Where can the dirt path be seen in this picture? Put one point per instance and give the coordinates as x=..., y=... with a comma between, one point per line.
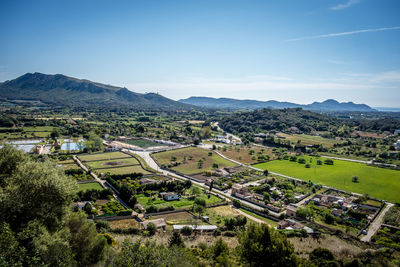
x=103, y=183
x=251, y=217
x=376, y=224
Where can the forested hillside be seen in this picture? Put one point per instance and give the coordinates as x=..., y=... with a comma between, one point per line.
x=277, y=119
x=305, y=121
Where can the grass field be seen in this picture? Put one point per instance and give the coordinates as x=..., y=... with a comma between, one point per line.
x=268, y=221
x=112, y=163
x=89, y=186
x=103, y=156
x=143, y=143
x=177, y=204
x=309, y=139
x=241, y=153
x=377, y=182
x=29, y=132
x=191, y=166
x=124, y=170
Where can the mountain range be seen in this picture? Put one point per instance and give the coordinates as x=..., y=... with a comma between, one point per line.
x=229, y=103
x=61, y=90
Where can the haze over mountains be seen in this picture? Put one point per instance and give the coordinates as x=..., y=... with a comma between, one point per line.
x=229, y=103
x=62, y=90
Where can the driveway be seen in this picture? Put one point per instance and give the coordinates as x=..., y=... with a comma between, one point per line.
x=376, y=224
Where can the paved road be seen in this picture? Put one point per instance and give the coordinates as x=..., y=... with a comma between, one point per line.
x=376, y=224
x=352, y=160
x=149, y=160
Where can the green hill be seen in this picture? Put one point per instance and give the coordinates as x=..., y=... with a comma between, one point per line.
x=61, y=90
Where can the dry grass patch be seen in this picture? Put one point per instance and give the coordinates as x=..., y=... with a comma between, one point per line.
x=123, y=224
x=339, y=247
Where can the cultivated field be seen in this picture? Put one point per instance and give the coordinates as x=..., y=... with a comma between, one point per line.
x=309, y=139
x=112, y=163
x=189, y=158
x=89, y=186
x=103, y=156
x=246, y=154
x=124, y=170
x=143, y=143
x=377, y=182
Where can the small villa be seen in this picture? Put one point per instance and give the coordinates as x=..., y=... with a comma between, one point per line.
x=169, y=196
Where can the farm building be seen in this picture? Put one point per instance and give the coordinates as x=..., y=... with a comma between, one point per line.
x=169, y=196
x=291, y=210
x=159, y=223
x=202, y=228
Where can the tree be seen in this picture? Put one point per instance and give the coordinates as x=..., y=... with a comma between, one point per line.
x=198, y=209
x=36, y=191
x=151, y=227
x=236, y=203
x=305, y=212
x=322, y=257
x=266, y=172
x=267, y=197
x=153, y=255
x=194, y=190
x=176, y=240
x=220, y=253
x=355, y=179
x=260, y=245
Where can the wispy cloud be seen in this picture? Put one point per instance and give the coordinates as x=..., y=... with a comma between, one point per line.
x=349, y=3
x=338, y=34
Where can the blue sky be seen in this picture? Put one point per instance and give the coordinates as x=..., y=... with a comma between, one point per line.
x=299, y=50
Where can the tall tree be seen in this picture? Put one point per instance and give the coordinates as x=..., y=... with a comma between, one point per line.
x=261, y=245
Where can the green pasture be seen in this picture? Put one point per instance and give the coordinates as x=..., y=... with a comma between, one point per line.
x=89, y=186
x=143, y=143
x=109, y=163
x=377, y=182
x=177, y=204
x=103, y=156
x=124, y=170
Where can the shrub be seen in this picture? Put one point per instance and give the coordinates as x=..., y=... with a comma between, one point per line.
x=200, y=201
x=307, y=165
x=229, y=233
x=186, y=230
x=236, y=203
x=301, y=161
x=151, y=228
x=328, y=162
x=125, y=212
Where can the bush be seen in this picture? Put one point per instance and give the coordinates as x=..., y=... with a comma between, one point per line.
x=125, y=212
x=186, y=230
x=328, y=162
x=102, y=226
x=151, y=228
x=307, y=165
x=229, y=233
x=301, y=161
x=236, y=203
x=200, y=201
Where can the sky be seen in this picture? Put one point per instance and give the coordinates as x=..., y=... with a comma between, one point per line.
x=288, y=50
